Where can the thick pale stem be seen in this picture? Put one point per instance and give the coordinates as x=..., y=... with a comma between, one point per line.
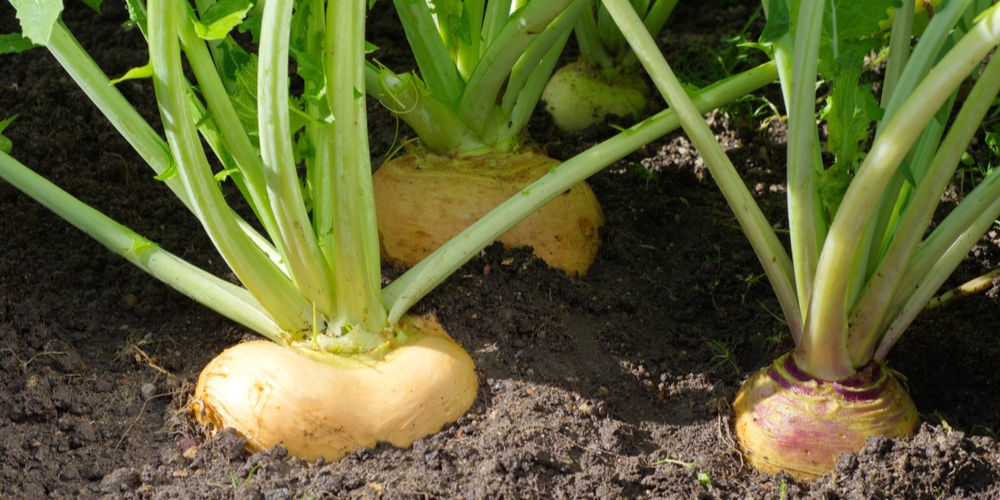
x=870, y=313
x=230, y=129
x=230, y=300
x=304, y=259
x=803, y=218
x=828, y=306
x=592, y=49
x=530, y=74
x=941, y=253
x=355, y=238
x=82, y=69
x=264, y=280
x=437, y=68
x=439, y=128
x=941, y=29
x=484, y=86
x=899, y=50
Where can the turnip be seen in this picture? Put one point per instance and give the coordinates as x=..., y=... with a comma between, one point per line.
x=310, y=282
x=419, y=191
x=483, y=66
x=579, y=95
x=605, y=80
x=272, y=395
x=863, y=261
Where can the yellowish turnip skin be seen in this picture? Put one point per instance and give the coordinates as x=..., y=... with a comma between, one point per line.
x=803, y=430
x=423, y=200
x=272, y=395
x=577, y=97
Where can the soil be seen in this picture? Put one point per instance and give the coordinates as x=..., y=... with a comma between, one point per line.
x=613, y=385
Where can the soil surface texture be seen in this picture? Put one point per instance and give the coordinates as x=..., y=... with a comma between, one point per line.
x=613, y=385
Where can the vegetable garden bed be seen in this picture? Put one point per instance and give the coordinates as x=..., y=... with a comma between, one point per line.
x=617, y=384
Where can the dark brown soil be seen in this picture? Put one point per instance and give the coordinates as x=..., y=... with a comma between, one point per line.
x=615, y=385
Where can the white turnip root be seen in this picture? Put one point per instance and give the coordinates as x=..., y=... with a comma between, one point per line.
x=578, y=96
x=788, y=420
x=273, y=395
x=423, y=200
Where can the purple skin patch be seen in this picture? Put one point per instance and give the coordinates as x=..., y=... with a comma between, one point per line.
x=864, y=385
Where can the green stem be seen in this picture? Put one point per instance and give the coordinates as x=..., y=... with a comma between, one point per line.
x=318, y=165
x=497, y=13
x=588, y=39
x=85, y=72
x=768, y=248
x=924, y=55
x=869, y=316
x=806, y=224
x=900, y=39
x=439, y=128
x=150, y=146
x=437, y=68
x=939, y=33
x=654, y=20
x=228, y=125
x=304, y=259
x=529, y=76
x=783, y=59
x=827, y=318
x=941, y=253
x=401, y=294
x=231, y=301
x=478, y=103
x=265, y=281
x=657, y=16
x=355, y=238
x=466, y=55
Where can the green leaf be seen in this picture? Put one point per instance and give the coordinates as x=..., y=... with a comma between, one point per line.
x=12, y=43
x=5, y=144
x=224, y=174
x=220, y=18
x=169, y=173
x=850, y=111
x=453, y=19
x=137, y=73
x=94, y=4
x=310, y=67
x=850, y=30
x=252, y=25
x=778, y=22
x=244, y=95
x=37, y=18
x=137, y=13
x=992, y=139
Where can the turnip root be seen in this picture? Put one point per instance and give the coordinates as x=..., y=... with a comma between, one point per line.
x=423, y=200
x=272, y=395
x=788, y=420
x=578, y=96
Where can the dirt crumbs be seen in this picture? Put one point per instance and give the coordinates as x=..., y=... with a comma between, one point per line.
x=614, y=385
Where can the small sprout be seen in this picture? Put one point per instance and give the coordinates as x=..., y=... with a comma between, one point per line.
x=235, y=481
x=702, y=476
